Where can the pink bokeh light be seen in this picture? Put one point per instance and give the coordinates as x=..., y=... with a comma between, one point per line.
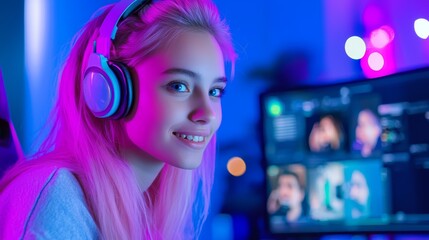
x=378, y=62
x=375, y=61
x=382, y=36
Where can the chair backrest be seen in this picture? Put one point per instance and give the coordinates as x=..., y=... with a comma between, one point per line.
x=9, y=145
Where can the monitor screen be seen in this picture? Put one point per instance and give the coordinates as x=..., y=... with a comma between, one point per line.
x=349, y=157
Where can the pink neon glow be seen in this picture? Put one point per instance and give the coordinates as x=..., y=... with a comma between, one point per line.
x=379, y=59
x=372, y=17
x=382, y=36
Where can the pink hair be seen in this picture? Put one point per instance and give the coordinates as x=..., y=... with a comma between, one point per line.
x=176, y=204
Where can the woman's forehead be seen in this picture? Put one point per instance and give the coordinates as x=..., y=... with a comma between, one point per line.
x=198, y=52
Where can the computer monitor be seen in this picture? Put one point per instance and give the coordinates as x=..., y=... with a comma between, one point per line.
x=348, y=157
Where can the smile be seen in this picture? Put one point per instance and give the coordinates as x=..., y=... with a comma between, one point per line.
x=192, y=138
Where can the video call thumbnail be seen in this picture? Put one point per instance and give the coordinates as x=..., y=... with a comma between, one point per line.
x=327, y=133
x=286, y=201
x=347, y=191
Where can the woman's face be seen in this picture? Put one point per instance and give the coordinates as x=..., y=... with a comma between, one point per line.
x=367, y=130
x=177, y=107
x=290, y=192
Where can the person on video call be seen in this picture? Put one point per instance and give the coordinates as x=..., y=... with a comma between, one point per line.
x=286, y=199
x=368, y=131
x=358, y=195
x=325, y=135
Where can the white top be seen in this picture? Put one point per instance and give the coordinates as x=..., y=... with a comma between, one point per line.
x=45, y=203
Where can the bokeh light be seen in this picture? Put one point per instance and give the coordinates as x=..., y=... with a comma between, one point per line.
x=355, y=47
x=421, y=26
x=376, y=61
x=275, y=107
x=236, y=166
x=382, y=36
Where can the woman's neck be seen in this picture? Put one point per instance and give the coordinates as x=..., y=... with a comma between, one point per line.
x=145, y=167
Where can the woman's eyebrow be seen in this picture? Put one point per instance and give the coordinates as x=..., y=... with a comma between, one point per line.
x=181, y=71
x=190, y=74
x=221, y=79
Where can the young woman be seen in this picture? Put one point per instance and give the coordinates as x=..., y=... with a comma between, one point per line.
x=130, y=153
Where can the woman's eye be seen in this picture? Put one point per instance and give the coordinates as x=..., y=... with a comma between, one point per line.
x=217, y=92
x=178, y=87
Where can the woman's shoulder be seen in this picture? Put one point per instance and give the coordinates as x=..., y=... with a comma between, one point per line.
x=45, y=201
x=29, y=182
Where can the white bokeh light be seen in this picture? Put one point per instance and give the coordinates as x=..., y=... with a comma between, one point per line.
x=355, y=47
x=421, y=26
x=376, y=61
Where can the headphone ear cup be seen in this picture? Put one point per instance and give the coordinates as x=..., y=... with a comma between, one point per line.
x=107, y=88
x=100, y=87
x=123, y=77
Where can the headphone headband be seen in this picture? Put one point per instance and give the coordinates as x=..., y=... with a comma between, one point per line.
x=110, y=25
x=107, y=85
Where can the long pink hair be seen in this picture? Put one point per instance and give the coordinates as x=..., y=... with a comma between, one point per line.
x=176, y=204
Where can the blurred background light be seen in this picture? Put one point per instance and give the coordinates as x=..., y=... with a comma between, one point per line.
x=372, y=15
x=35, y=32
x=421, y=26
x=376, y=61
x=37, y=48
x=382, y=36
x=236, y=166
x=355, y=47
x=275, y=107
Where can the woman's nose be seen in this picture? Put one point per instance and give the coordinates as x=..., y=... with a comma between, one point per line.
x=204, y=112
